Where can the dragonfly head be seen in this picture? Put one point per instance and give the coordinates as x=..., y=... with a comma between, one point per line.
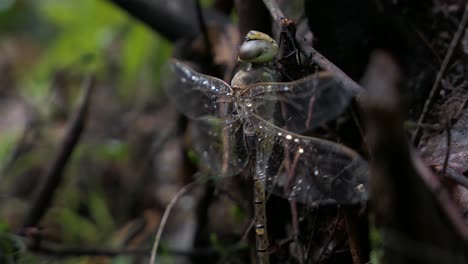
x=257, y=47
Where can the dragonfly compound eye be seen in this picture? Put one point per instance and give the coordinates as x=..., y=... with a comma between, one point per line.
x=258, y=47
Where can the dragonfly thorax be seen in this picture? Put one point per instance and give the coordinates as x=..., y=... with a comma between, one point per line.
x=255, y=74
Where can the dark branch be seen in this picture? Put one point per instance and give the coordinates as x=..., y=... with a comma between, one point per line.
x=171, y=23
x=53, y=177
x=411, y=205
x=204, y=30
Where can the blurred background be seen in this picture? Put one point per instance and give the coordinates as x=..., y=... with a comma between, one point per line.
x=47, y=51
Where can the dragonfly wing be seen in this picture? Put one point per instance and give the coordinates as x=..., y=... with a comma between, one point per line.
x=197, y=95
x=301, y=105
x=220, y=145
x=311, y=170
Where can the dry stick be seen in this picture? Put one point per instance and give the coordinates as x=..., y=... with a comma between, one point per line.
x=165, y=217
x=54, y=175
x=443, y=67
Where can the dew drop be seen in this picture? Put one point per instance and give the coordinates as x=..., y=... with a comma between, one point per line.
x=360, y=188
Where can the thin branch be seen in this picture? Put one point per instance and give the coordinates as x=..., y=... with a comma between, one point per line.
x=443, y=67
x=162, y=224
x=314, y=55
x=53, y=177
x=325, y=64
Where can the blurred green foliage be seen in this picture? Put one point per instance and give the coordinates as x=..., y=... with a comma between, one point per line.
x=51, y=36
x=65, y=32
x=6, y=246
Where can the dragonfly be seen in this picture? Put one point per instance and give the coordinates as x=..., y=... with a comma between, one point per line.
x=257, y=121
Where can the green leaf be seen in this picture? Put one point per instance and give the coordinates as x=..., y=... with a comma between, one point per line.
x=101, y=215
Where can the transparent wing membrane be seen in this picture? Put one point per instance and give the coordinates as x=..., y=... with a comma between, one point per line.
x=221, y=146
x=301, y=105
x=310, y=170
x=197, y=95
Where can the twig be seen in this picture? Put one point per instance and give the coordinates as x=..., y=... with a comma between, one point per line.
x=443, y=67
x=325, y=64
x=54, y=175
x=165, y=217
x=314, y=55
